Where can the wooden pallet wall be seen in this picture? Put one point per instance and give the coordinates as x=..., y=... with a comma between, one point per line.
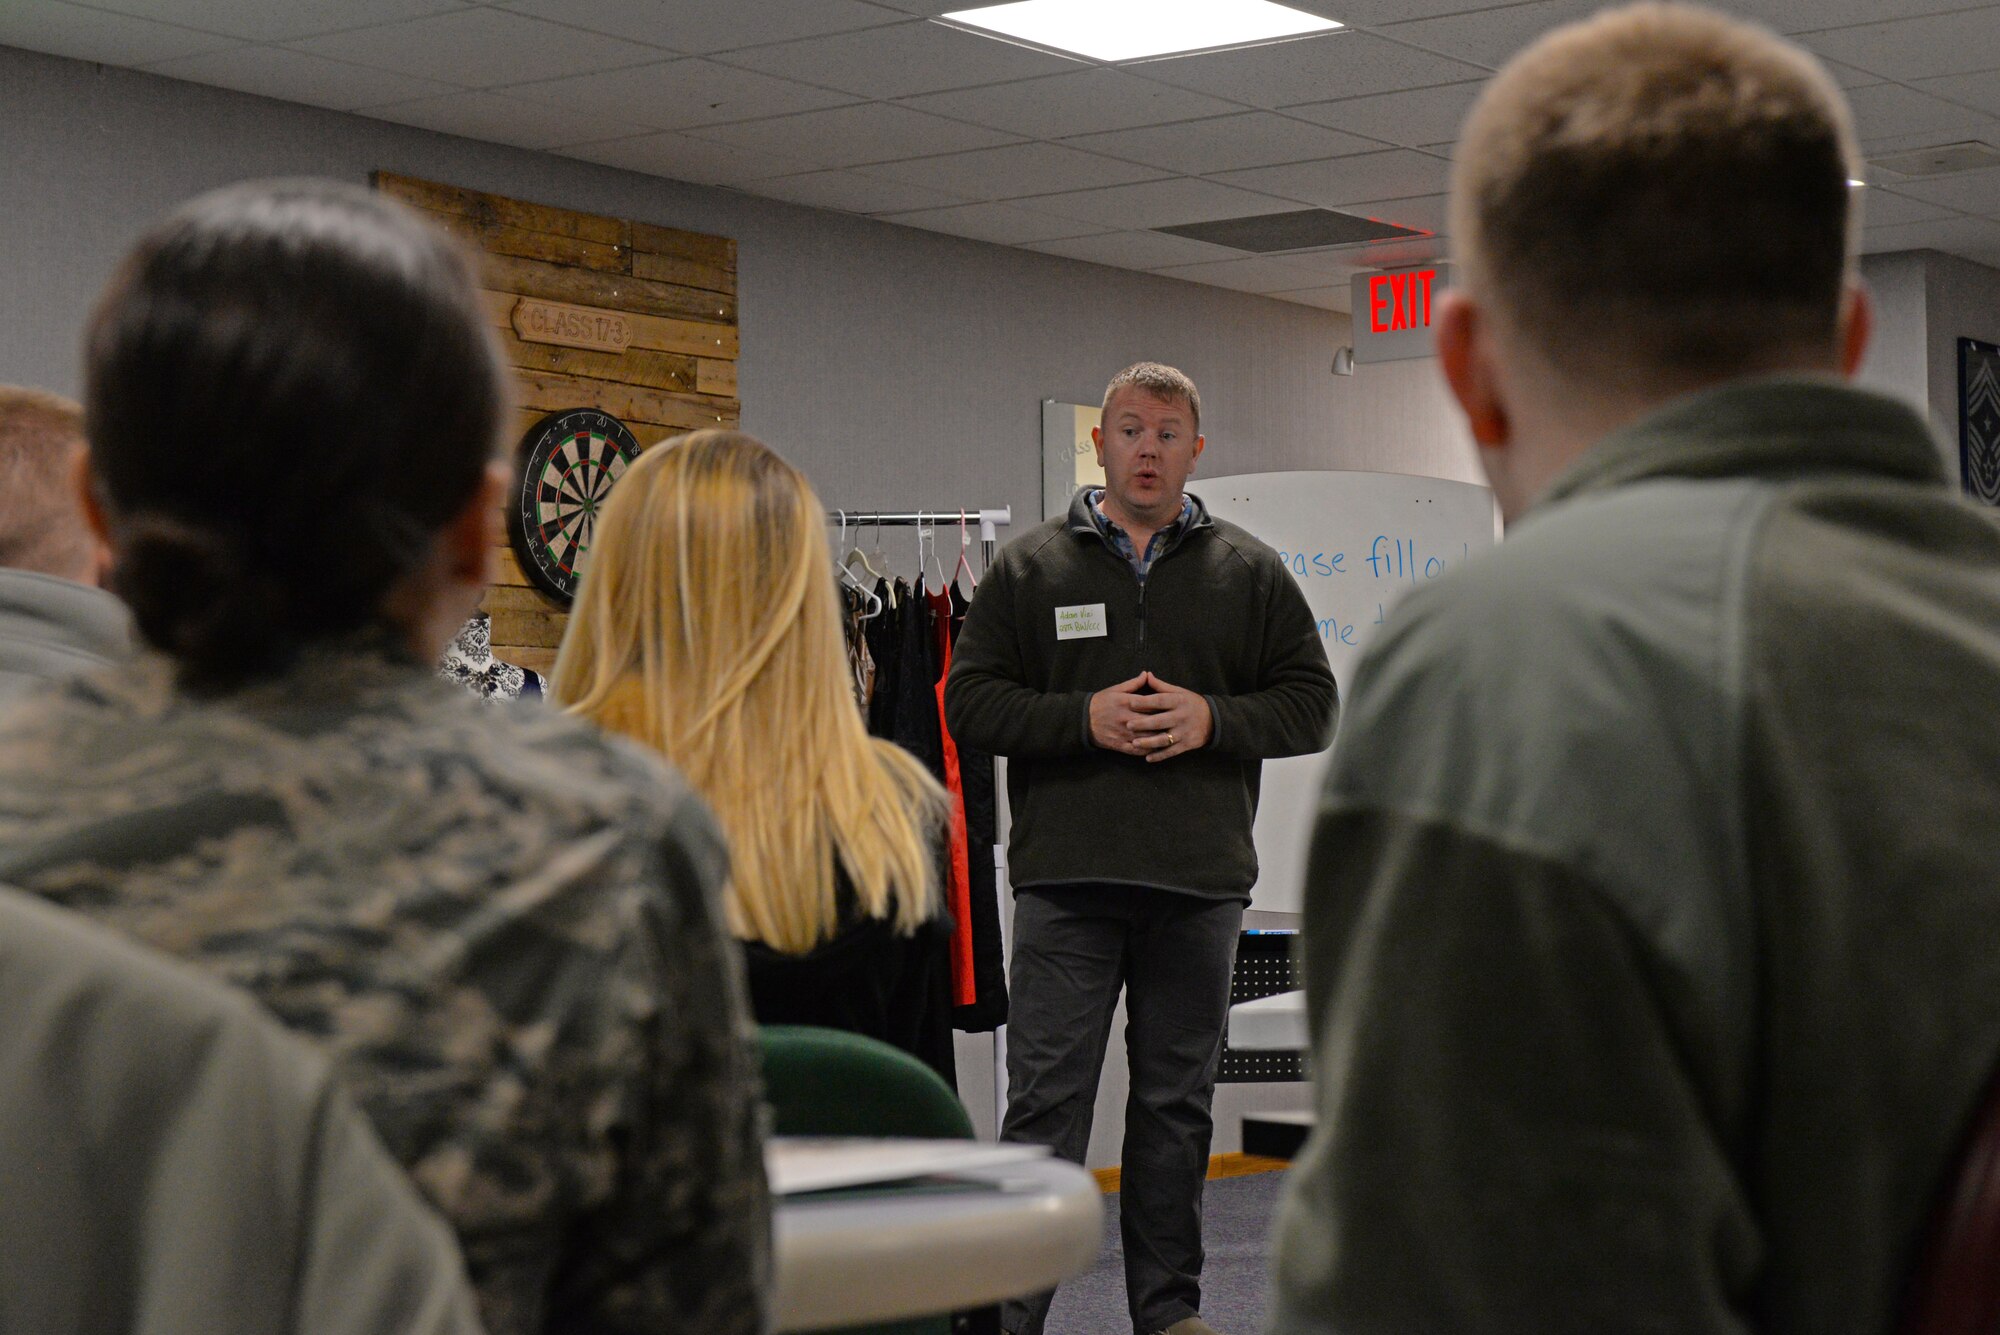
x=675, y=295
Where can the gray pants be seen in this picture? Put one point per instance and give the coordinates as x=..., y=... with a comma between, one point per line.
x=1075, y=946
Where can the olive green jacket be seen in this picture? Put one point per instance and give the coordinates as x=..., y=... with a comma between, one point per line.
x=172, y=1162
x=1653, y=914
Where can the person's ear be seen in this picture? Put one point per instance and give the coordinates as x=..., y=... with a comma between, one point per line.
x=1200, y=443
x=467, y=542
x=1097, y=440
x=1856, y=327
x=83, y=485
x=1465, y=354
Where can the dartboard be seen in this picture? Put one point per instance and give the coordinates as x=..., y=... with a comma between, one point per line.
x=568, y=463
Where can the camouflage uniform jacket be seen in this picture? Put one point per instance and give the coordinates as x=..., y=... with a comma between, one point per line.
x=504, y=926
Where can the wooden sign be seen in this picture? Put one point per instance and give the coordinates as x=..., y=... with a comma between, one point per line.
x=571, y=326
x=625, y=317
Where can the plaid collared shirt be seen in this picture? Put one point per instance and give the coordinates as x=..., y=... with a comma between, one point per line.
x=1121, y=542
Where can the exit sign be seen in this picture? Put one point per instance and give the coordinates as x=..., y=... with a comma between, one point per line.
x=1393, y=309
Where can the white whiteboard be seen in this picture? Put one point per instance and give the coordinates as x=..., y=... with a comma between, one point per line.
x=1355, y=542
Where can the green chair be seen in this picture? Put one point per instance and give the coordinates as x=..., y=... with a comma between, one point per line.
x=828, y=1082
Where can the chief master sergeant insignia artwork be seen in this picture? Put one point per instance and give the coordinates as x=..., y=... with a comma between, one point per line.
x=1135, y=661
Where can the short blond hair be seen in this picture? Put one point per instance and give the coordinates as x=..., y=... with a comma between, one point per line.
x=1162, y=382
x=42, y=527
x=1660, y=188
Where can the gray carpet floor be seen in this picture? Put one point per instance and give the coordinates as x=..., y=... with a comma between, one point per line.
x=1236, y=1226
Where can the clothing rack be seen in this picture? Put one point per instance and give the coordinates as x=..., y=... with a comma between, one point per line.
x=988, y=518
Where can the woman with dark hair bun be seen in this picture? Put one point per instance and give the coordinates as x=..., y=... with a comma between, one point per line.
x=500, y=922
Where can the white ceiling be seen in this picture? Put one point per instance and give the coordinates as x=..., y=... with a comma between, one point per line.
x=868, y=107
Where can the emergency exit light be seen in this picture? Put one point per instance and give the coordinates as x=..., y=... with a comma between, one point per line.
x=1393, y=310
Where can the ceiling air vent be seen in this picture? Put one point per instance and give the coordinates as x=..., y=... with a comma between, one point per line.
x=1306, y=229
x=1940, y=159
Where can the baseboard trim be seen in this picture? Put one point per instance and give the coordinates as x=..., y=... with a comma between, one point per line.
x=1219, y=1165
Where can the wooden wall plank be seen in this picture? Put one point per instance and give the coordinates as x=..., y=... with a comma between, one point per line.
x=653, y=239
x=651, y=333
x=550, y=392
x=686, y=272
x=648, y=434
x=654, y=370
x=712, y=376
x=496, y=239
x=527, y=656
x=514, y=598
x=587, y=287
x=539, y=629
x=506, y=212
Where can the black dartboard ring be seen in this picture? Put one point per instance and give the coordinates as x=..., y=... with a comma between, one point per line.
x=567, y=465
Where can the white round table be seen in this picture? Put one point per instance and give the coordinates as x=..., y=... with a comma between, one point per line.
x=892, y=1256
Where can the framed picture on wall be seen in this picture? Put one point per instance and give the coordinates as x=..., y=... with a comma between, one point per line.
x=1979, y=420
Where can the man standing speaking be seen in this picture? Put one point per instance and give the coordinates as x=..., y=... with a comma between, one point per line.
x=1135, y=661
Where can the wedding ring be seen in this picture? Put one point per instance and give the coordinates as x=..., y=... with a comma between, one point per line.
x=1171, y=741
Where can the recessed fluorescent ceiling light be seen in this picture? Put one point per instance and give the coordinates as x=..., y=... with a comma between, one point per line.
x=1135, y=29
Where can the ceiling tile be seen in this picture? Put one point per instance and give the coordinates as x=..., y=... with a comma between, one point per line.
x=1308, y=70
x=1376, y=13
x=481, y=47
x=265, y=21
x=680, y=158
x=1076, y=103
x=1338, y=298
x=900, y=61
x=1886, y=208
x=1981, y=90
x=1008, y=173
x=1350, y=260
x=1976, y=239
x=91, y=34
x=501, y=120
x=1849, y=77
x=1796, y=16
x=1889, y=111
x=1426, y=212
x=1414, y=118
x=1135, y=250
x=1005, y=224
x=848, y=136
x=852, y=192
x=1396, y=174
x=681, y=94
x=1917, y=48
x=294, y=76
x=1179, y=199
x=1251, y=274
x=1968, y=192
x=1251, y=139
x=702, y=26
x=1491, y=37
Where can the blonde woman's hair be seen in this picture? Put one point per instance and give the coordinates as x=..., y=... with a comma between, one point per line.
x=707, y=627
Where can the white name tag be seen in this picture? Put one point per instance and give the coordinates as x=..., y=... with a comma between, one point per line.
x=1082, y=622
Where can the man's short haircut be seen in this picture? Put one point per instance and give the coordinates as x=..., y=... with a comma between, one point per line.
x=1162, y=382
x=1660, y=188
x=42, y=527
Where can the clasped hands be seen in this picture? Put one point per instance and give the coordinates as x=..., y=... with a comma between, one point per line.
x=1149, y=717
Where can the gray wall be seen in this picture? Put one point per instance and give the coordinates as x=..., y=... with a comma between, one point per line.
x=1961, y=300
x=899, y=368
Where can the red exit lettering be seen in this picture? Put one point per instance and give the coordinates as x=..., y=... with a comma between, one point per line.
x=1400, y=301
